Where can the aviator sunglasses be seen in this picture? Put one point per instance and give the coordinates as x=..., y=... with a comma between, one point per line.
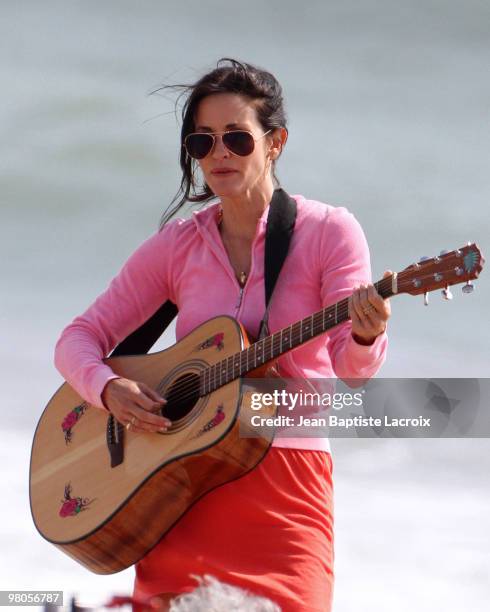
x=238, y=142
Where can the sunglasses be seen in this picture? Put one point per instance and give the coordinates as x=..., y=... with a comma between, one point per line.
x=238, y=142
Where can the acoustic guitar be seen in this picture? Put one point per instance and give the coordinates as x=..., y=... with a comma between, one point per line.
x=106, y=496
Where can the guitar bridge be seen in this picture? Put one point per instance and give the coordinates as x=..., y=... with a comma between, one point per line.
x=115, y=440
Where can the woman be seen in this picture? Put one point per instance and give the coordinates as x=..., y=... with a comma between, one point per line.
x=270, y=531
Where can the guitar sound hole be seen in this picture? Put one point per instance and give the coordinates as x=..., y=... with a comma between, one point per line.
x=181, y=397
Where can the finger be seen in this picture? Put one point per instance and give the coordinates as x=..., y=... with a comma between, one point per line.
x=357, y=323
x=154, y=395
x=138, y=425
x=145, y=398
x=136, y=428
x=126, y=411
x=374, y=314
x=382, y=306
x=365, y=298
x=360, y=302
x=155, y=421
x=149, y=419
x=373, y=318
x=375, y=322
x=354, y=301
x=374, y=298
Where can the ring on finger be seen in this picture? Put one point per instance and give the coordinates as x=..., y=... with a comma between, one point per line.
x=131, y=422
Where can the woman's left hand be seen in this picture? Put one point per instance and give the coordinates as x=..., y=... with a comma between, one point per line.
x=369, y=313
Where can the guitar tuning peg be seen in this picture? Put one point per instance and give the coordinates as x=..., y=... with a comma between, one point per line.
x=424, y=258
x=446, y=292
x=443, y=252
x=468, y=287
x=426, y=298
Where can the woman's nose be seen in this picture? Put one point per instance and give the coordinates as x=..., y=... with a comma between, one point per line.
x=219, y=149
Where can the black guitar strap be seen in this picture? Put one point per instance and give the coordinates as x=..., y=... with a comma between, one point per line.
x=279, y=230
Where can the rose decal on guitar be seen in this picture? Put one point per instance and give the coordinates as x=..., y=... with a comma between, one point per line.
x=70, y=419
x=71, y=506
x=216, y=340
x=216, y=420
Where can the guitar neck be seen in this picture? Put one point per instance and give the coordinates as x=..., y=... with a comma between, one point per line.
x=271, y=347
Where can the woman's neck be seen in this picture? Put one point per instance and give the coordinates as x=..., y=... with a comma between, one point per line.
x=240, y=215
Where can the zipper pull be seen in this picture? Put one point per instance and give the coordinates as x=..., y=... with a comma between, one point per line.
x=239, y=298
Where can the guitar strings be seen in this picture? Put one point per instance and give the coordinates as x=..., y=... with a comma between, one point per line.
x=188, y=390
x=184, y=390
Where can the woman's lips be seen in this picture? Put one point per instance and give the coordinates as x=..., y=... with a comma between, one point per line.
x=222, y=172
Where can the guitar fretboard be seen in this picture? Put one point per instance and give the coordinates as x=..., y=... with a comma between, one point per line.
x=282, y=341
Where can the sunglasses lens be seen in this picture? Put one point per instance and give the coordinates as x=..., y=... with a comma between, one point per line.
x=240, y=143
x=198, y=145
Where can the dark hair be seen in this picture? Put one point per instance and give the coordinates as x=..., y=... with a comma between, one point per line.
x=232, y=77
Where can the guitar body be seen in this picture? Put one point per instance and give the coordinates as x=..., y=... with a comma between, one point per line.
x=107, y=516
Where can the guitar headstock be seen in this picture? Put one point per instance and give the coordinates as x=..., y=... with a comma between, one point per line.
x=449, y=268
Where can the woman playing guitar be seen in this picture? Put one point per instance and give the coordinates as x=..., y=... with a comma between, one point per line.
x=271, y=531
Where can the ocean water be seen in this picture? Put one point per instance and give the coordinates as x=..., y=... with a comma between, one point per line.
x=388, y=105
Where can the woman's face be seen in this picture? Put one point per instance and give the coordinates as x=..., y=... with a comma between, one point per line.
x=249, y=174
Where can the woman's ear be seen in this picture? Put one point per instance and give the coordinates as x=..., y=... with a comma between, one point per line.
x=279, y=138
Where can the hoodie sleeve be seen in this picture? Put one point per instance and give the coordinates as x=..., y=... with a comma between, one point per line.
x=134, y=294
x=346, y=264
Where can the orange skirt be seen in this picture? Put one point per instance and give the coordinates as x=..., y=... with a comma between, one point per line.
x=269, y=532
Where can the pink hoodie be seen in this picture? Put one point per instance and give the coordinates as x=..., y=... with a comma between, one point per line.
x=187, y=263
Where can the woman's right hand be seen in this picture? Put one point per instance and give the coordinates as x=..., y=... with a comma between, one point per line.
x=135, y=403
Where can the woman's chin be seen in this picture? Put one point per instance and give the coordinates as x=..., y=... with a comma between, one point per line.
x=227, y=189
